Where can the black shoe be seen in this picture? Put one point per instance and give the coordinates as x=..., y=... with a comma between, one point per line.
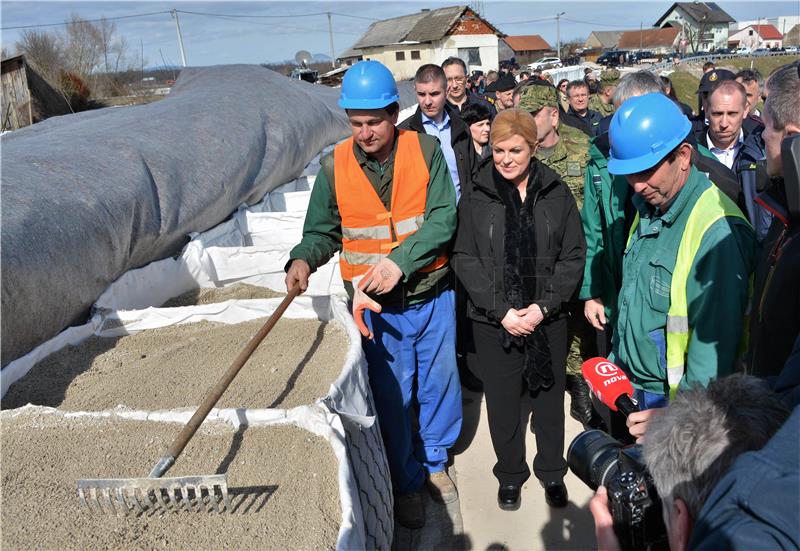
x=555, y=494
x=508, y=497
x=581, y=404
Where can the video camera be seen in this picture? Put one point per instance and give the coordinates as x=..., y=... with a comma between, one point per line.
x=599, y=460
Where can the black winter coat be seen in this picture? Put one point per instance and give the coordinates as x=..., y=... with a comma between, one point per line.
x=478, y=254
x=460, y=139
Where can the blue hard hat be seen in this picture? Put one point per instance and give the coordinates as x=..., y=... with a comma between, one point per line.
x=368, y=85
x=643, y=131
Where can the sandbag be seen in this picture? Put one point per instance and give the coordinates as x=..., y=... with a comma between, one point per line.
x=90, y=196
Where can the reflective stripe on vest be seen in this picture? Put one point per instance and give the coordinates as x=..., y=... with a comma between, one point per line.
x=710, y=207
x=369, y=231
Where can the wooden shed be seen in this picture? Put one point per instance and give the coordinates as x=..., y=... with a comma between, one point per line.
x=27, y=97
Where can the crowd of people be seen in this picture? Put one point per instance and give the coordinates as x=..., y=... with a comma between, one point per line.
x=513, y=227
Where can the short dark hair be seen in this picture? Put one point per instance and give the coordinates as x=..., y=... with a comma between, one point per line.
x=454, y=61
x=750, y=75
x=708, y=65
x=475, y=112
x=525, y=73
x=430, y=73
x=576, y=84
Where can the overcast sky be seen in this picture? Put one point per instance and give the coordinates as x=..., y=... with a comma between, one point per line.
x=217, y=39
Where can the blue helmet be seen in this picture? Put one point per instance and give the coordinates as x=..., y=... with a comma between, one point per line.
x=643, y=131
x=368, y=85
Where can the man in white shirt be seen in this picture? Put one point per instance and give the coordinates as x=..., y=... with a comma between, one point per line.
x=726, y=109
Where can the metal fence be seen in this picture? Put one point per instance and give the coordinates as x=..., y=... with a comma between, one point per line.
x=715, y=57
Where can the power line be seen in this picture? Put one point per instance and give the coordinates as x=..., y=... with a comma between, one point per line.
x=596, y=24
x=527, y=21
x=228, y=15
x=84, y=21
x=289, y=16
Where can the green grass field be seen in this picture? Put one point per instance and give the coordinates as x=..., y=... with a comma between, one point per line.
x=686, y=83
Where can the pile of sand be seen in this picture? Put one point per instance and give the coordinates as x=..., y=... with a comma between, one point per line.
x=175, y=366
x=282, y=480
x=239, y=291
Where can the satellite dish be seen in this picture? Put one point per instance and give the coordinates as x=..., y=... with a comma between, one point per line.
x=303, y=58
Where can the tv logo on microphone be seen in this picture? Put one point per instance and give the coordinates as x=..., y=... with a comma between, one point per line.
x=612, y=373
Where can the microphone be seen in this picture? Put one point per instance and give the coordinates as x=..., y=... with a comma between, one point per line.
x=610, y=384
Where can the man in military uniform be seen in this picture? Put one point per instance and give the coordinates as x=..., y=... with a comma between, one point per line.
x=601, y=101
x=565, y=150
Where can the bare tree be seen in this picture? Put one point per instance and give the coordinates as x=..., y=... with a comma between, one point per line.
x=695, y=36
x=44, y=51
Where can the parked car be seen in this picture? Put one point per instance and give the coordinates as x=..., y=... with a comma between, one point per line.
x=642, y=56
x=761, y=51
x=545, y=63
x=743, y=50
x=723, y=51
x=791, y=49
x=613, y=58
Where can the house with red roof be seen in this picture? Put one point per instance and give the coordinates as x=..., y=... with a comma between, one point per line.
x=526, y=48
x=756, y=36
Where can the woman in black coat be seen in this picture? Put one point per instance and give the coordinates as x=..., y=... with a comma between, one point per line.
x=520, y=252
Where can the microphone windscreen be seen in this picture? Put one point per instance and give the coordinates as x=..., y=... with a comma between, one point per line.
x=607, y=381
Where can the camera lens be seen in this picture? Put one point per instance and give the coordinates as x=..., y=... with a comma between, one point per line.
x=593, y=457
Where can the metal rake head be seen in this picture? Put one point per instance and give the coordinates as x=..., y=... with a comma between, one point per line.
x=122, y=496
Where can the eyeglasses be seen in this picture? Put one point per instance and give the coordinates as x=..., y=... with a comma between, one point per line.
x=457, y=80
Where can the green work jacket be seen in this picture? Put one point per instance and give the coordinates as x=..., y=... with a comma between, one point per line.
x=603, y=217
x=322, y=229
x=717, y=292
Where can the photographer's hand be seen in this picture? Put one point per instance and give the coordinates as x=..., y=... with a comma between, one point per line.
x=603, y=522
x=638, y=420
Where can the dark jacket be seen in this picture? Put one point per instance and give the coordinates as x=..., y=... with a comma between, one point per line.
x=754, y=506
x=723, y=177
x=473, y=98
x=461, y=140
x=775, y=313
x=589, y=125
x=751, y=169
x=478, y=254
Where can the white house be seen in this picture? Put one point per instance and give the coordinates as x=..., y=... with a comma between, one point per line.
x=431, y=36
x=757, y=36
x=704, y=25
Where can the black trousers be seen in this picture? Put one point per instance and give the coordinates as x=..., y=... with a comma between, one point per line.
x=501, y=372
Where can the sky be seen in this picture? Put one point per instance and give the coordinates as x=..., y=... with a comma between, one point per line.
x=216, y=34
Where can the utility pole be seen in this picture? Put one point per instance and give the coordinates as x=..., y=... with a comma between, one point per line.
x=641, y=40
x=558, y=33
x=141, y=45
x=330, y=37
x=180, y=38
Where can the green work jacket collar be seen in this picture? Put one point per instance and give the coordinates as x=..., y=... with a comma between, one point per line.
x=679, y=202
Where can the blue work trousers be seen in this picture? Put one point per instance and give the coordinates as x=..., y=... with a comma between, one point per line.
x=413, y=373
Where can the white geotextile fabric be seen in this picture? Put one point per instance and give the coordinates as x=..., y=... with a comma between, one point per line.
x=251, y=247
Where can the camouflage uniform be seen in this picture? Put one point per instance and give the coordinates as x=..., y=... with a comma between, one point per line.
x=569, y=159
x=571, y=154
x=608, y=77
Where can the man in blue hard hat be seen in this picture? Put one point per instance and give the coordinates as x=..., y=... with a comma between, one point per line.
x=687, y=263
x=386, y=200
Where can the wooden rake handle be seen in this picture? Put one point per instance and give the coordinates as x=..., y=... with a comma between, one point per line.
x=222, y=385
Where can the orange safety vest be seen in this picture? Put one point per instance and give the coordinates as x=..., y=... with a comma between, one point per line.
x=369, y=231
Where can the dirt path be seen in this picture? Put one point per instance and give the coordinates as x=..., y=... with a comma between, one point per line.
x=175, y=366
x=283, y=482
